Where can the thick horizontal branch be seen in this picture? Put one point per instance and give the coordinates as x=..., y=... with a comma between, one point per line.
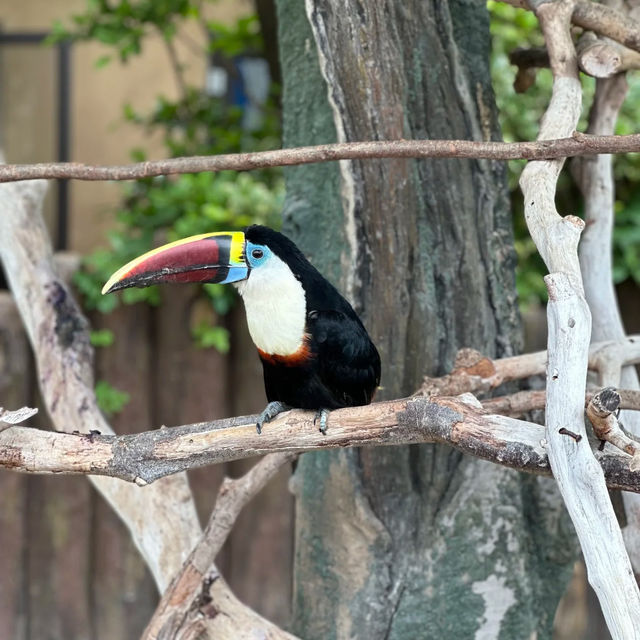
x=578, y=145
x=147, y=456
x=473, y=372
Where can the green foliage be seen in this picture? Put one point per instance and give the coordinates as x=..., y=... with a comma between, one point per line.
x=626, y=241
x=198, y=124
x=207, y=336
x=159, y=210
x=124, y=25
x=110, y=400
x=101, y=337
x=520, y=114
x=243, y=37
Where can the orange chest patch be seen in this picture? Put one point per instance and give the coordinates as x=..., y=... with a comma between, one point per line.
x=295, y=359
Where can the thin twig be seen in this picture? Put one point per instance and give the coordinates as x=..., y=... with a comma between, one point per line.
x=577, y=145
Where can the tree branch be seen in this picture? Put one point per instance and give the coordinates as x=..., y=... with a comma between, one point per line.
x=594, y=177
x=580, y=479
x=161, y=518
x=604, y=58
x=185, y=606
x=601, y=411
x=147, y=456
x=577, y=145
x=474, y=372
x=599, y=18
x=607, y=22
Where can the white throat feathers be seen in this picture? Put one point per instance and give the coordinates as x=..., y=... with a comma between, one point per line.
x=276, y=307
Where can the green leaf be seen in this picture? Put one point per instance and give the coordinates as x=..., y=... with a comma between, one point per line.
x=207, y=336
x=110, y=400
x=102, y=61
x=101, y=337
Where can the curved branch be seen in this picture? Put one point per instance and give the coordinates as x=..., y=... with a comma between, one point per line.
x=599, y=18
x=606, y=21
x=577, y=145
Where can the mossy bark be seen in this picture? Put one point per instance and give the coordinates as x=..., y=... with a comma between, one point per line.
x=419, y=541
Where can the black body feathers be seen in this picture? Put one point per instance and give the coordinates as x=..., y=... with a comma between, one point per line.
x=339, y=365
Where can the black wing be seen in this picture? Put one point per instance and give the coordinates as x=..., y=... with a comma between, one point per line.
x=347, y=364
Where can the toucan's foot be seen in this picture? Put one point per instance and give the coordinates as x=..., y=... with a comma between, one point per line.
x=270, y=412
x=322, y=415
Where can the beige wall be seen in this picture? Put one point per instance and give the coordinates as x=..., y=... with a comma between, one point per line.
x=27, y=86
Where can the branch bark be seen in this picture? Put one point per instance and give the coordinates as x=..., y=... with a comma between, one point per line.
x=574, y=144
x=594, y=177
x=145, y=457
x=601, y=411
x=161, y=518
x=474, y=372
x=580, y=480
x=604, y=58
x=58, y=333
x=185, y=608
x=599, y=18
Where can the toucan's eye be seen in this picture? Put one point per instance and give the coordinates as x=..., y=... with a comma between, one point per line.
x=257, y=254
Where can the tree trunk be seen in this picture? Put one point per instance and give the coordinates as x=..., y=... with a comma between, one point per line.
x=418, y=541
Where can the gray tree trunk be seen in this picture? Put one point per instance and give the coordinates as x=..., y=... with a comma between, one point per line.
x=419, y=541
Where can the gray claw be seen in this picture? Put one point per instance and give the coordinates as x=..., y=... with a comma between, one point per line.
x=269, y=413
x=323, y=415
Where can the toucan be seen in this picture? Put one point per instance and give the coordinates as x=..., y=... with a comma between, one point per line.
x=315, y=352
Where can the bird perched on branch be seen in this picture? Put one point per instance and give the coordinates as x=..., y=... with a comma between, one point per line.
x=315, y=352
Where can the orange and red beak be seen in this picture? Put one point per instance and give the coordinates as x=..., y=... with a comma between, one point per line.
x=210, y=257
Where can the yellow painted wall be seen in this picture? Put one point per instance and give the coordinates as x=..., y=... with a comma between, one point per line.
x=99, y=136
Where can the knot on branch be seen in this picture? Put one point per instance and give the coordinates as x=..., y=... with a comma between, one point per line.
x=601, y=411
x=606, y=401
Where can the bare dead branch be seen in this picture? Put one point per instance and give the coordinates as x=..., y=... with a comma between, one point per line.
x=59, y=335
x=162, y=518
x=608, y=22
x=602, y=411
x=147, y=456
x=577, y=145
x=580, y=480
x=604, y=58
x=599, y=18
x=473, y=372
x=184, y=606
x=594, y=177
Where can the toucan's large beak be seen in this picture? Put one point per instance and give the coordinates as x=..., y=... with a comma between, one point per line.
x=210, y=257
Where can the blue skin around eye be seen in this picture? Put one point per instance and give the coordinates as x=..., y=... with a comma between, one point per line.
x=256, y=262
x=235, y=274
